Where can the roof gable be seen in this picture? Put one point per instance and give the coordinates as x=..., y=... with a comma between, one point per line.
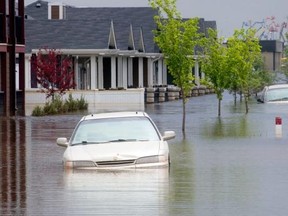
x=112, y=40
x=131, y=44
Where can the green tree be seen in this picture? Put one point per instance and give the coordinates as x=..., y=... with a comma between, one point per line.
x=284, y=62
x=243, y=51
x=177, y=39
x=215, y=65
x=260, y=77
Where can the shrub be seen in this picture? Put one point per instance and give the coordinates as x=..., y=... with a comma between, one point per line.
x=38, y=111
x=82, y=104
x=57, y=106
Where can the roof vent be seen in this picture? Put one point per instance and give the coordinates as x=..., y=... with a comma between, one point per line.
x=38, y=5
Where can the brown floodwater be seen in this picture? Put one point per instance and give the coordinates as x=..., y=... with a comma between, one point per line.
x=232, y=165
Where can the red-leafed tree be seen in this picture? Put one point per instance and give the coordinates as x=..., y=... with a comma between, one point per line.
x=54, y=72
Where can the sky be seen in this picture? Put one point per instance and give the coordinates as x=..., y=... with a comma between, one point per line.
x=228, y=14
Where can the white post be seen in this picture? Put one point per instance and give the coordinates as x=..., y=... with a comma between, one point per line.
x=125, y=72
x=160, y=72
x=140, y=72
x=120, y=71
x=93, y=72
x=27, y=72
x=100, y=72
x=113, y=72
x=150, y=72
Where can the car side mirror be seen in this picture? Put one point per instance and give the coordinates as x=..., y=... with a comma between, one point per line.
x=169, y=135
x=62, y=141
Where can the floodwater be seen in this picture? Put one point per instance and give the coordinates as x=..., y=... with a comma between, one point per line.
x=232, y=165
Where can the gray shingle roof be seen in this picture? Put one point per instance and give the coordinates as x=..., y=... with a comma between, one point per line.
x=89, y=28
x=67, y=34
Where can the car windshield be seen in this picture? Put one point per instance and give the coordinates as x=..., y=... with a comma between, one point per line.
x=278, y=94
x=115, y=130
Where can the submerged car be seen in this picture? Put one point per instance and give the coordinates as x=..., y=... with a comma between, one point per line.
x=274, y=94
x=116, y=140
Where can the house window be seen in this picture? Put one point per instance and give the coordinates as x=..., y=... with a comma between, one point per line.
x=55, y=12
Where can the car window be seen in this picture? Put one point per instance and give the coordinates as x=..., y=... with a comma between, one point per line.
x=113, y=129
x=277, y=94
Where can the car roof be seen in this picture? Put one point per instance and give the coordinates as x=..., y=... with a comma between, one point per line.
x=113, y=115
x=278, y=86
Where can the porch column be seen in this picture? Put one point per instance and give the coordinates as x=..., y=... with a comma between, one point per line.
x=140, y=71
x=130, y=71
x=120, y=72
x=93, y=72
x=100, y=72
x=113, y=72
x=27, y=72
x=125, y=72
x=164, y=73
x=150, y=72
x=160, y=72
x=196, y=68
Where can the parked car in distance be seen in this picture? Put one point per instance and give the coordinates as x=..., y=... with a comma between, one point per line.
x=116, y=140
x=277, y=93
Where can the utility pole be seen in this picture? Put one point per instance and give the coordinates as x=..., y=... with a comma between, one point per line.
x=11, y=77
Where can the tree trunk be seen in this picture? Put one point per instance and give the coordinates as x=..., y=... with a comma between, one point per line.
x=246, y=103
x=184, y=114
x=219, y=107
x=235, y=98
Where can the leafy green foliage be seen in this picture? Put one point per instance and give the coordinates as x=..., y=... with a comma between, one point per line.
x=177, y=40
x=284, y=62
x=243, y=51
x=215, y=65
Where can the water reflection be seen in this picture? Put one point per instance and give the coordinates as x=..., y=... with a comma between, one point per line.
x=182, y=179
x=122, y=192
x=13, y=167
x=228, y=127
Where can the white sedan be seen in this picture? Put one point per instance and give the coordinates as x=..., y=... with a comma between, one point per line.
x=116, y=140
x=277, y=93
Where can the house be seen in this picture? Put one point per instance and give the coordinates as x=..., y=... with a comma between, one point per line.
x=112, y=49
x=272, y=51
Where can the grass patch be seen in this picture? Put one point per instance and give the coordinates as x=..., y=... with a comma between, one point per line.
x=58, y=106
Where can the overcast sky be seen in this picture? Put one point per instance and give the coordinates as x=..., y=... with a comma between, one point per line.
x=228, y=14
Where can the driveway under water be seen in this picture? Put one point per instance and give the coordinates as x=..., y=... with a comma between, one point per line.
x=232, y=165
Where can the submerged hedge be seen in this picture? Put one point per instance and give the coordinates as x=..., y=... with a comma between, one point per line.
x=58, y=106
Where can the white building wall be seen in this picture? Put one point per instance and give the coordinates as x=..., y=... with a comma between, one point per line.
x=99, y=101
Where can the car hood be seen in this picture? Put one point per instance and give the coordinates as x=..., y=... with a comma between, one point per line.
x=112, y=151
